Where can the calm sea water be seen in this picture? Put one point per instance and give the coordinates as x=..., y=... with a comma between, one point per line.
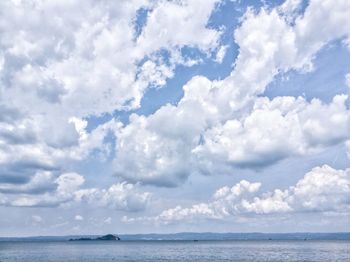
x=176, y=251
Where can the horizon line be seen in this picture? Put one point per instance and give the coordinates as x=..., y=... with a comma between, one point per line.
x=184, y=232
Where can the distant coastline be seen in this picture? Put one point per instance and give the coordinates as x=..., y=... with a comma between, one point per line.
x=108, y=237
x=190, y=236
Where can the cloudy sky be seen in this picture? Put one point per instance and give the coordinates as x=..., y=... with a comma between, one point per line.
x=143, y=116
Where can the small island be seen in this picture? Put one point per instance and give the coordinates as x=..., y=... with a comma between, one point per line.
x=108, y=237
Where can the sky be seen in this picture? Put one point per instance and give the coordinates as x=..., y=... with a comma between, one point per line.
x=160, y=116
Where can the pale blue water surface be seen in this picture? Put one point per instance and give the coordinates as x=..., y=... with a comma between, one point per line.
x=176, y=251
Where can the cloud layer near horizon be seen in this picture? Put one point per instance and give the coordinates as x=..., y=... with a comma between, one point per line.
x=323, y=189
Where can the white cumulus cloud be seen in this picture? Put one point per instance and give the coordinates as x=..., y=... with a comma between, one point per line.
x=62, y=62
x=218, y=124
x=323, y=189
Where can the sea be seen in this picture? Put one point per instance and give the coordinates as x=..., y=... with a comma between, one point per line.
x=176, y=250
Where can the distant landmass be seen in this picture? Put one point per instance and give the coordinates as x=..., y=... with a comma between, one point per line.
x=108, y=237
x=189, y=236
